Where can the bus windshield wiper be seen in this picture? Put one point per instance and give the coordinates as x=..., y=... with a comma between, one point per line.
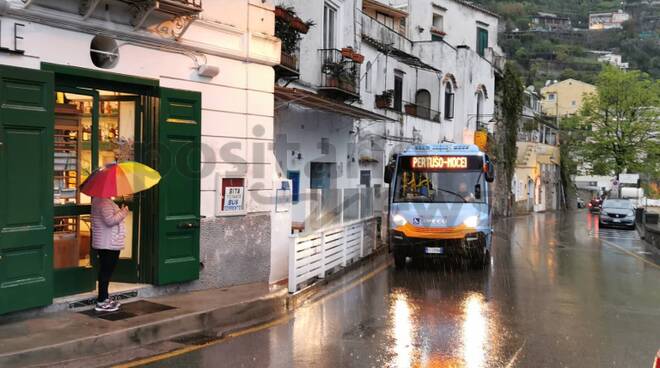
x=454, y=193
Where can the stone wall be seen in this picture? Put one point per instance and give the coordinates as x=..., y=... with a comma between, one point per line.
x=235, y=250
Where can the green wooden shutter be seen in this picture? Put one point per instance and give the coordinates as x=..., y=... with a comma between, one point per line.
x=179, y=159
x=482, y=41
x=26, y=188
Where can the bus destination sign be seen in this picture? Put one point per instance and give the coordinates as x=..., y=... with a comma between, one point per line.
x=439, y=162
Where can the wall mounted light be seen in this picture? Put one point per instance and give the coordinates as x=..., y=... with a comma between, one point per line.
x=208, y=71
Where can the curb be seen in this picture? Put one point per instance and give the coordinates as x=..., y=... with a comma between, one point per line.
x=211, y=323
x=216, y=322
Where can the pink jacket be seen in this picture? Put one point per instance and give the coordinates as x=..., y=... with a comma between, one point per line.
x=108, y=230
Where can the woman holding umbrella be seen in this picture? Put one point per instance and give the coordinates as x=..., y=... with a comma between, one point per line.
x=109, y=233
x=108, y=229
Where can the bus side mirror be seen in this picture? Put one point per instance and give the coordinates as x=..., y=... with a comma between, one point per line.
x=389, y=169
x=490, y=172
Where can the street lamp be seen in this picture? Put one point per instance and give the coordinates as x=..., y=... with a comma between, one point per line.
x=477, y=116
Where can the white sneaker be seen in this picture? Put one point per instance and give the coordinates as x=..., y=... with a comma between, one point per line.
x=106, y=306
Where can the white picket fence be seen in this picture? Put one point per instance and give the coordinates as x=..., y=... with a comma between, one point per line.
x=324, y=251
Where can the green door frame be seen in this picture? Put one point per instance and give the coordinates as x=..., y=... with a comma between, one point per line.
x=80, y=279
x=73, y=280
x=154, y=266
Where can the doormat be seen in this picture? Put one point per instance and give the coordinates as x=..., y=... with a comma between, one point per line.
x=129, y=310
x=91, y=301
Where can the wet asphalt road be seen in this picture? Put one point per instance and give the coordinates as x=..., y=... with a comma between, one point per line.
x=559, y=293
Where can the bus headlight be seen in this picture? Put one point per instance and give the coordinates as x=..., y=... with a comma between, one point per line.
x=471, y=221
x=399, y=220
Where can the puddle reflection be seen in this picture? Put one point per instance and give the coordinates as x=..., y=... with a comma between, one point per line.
x=474, y=330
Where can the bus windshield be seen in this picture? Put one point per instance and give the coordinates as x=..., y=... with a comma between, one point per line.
x=438, y=185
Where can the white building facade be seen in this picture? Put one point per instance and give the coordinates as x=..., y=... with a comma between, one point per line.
x=440, y=70
x=422, y=71
x=608, y=20
x=180, y=85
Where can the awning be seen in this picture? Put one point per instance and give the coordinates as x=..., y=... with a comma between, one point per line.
x=382, y=8
x=315, y=101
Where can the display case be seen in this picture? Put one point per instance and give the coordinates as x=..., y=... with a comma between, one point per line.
x=71, y=233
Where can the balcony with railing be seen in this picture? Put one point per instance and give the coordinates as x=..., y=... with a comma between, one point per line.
x=142, y=9
x=382, y=36
x=494, y=58
x=289, y=28
x=340, y=74
x=289, y=64
x=422, y=111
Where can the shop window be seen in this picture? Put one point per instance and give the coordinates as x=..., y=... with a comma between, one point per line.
x=92, y=128
x=230, y=196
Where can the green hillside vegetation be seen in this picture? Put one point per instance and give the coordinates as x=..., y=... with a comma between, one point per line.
x=545, y=56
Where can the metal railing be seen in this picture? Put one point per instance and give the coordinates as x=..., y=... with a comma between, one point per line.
x=422, y=112
x=536, y=136
x=290, y=61
x=377, y=32
x=339, y=72
x=195, y=3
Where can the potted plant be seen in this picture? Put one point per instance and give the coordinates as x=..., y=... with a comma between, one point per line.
x=282, y=13
x=331, y=81
x=299, y=25
x=411, y=109
x=438, y=32
x=358, y=58
x=347, y=52
x=384, y=100
x=288, y=28
x=347, y=79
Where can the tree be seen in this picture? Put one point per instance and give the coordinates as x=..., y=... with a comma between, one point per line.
x=512, y=103
x=571, y=136
x=568, y=73
x=621, y=119
x=510, y=95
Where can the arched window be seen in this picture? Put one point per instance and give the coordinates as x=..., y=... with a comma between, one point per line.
x=480, y=108
x=449, y=101
x=423, y=102
x=367, y=77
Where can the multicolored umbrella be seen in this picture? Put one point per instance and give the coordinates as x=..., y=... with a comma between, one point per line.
x=120, y=179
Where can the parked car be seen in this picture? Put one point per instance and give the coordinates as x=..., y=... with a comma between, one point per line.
x=617, y=212
x=580, y=202
x=595, y=204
